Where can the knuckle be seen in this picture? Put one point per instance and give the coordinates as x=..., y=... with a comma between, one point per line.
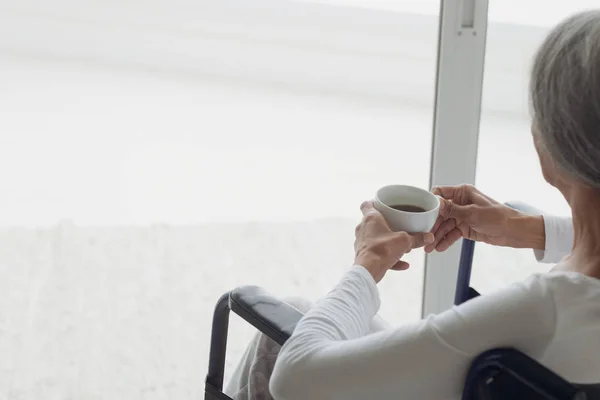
x=370, y=218
x=380, y=247
x=417, y=242
x=465, y=190
x=404, y=239
x=448, y=226
x=450, y=210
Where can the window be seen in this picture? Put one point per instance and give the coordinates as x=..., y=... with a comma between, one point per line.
x=156, y=154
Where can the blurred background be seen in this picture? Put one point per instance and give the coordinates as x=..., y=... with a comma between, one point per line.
x=155, y=154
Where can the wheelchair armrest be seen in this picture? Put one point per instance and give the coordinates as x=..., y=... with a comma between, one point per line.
x=268, y=314
x=505, y=372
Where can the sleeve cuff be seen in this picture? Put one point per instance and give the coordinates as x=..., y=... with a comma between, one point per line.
x=559, y=239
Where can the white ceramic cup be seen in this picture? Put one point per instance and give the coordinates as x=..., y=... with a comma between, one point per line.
x=405, y=221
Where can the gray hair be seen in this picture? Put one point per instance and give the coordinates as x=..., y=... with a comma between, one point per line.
x=565, y=96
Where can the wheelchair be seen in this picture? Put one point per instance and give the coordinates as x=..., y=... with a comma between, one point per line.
x=497, y=374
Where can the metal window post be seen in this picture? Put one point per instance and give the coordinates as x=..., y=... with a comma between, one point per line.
x=461, y=53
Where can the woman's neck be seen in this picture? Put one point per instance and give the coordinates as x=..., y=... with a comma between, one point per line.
x=585, y=208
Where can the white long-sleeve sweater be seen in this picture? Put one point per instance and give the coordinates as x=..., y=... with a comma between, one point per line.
x=553, y=317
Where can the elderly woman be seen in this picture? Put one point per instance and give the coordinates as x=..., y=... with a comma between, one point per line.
x=341, y=350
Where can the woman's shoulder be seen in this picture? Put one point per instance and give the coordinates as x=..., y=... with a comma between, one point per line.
x=568, y=287
x=552, y=291
x=562, y=278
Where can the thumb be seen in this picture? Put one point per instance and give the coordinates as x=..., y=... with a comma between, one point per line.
x=421, y=239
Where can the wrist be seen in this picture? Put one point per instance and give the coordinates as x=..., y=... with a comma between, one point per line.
x=526, y=232
x=371, y=263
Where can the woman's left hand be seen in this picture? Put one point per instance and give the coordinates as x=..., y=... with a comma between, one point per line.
x=378, y=249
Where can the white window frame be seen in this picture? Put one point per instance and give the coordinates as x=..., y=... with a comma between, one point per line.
x=463, y=30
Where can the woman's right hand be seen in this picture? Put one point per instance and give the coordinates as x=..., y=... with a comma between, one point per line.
x=468, y=213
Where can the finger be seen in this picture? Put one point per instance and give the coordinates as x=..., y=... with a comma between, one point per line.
x=463, y=194
x=367, y=207
x=447, y=192
x=443, y=230
x=449, y=209
x=449, y=240
x=437, y=224
x=401, y=266
x=464, y=191
x=439, y=230
x=445, y=208
x=357, y=230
